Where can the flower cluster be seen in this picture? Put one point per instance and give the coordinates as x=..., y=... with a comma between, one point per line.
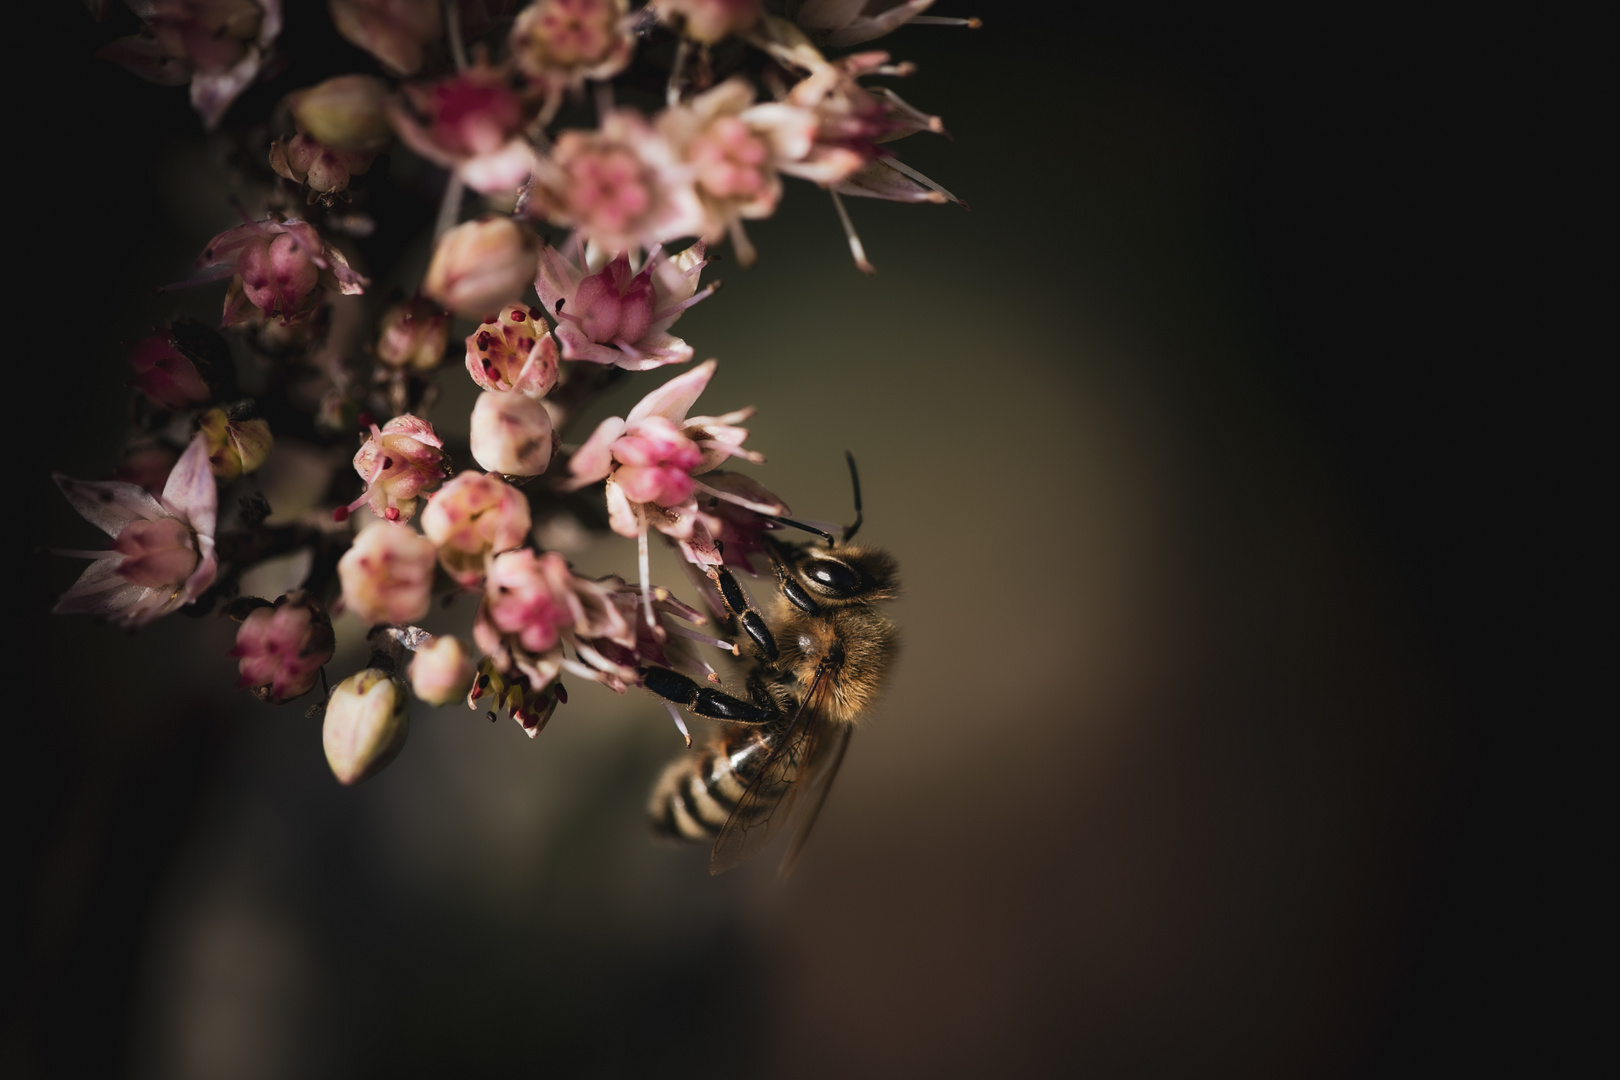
x=574, y=219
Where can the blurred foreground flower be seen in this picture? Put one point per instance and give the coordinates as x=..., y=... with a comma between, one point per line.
x=480, y=265
x=219, y=45
x=394, y=31
x=442, y=671
x=366, y=724
x=163, y=555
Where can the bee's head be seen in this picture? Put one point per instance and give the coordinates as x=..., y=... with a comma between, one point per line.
x=847, y=574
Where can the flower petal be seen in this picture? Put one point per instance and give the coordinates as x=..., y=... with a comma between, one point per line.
x=110, y=505
x=190, y=493
x=675, y=397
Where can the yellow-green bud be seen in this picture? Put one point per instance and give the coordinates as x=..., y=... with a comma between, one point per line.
x=366, y=724
x=235, y=446
x=345, y=113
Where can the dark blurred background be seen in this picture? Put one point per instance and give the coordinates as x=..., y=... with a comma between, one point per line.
x=1192, y=764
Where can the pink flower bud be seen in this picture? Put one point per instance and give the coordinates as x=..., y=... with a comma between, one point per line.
x=513, y=351
x=304, y=160
x=511, y=434
x=281, y=649
x=387, y=575
x=235, y=447
x=401, y=460
x=656, y=461
x=166, y=375
x=366, y=723
x=394, y=31
x=481, y=265
x=413, y=335
x=442, y=671
x=277, y=274
x=345, y=113
x=472, y=517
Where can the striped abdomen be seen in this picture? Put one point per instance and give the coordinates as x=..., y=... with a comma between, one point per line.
x=698, y=791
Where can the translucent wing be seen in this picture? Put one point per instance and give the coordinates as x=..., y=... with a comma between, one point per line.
x=768, y=803
x=814, y=783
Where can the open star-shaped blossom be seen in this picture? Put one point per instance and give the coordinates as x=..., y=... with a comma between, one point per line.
x=616, y=316
x=163, y=552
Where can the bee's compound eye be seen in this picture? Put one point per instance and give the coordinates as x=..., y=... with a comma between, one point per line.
x=834, y=578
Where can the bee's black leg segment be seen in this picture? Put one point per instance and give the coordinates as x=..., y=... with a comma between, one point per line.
x=753, y=625
x=752, y=622
x=674, y=686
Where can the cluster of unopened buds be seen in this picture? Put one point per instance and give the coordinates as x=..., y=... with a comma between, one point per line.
x=579, y=213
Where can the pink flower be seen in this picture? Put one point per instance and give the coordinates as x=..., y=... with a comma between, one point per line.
x=738, y=515
x=561, y=43
x=732, y=147
x=480, y=265
x=387, y=575
x=621, y=187
x=303, y=159
x=219, y=45
x=617, y=317
x=278, y=265
x=473, y=123
x=513, y=351
x=471, y=518
x=163, y=555
x=394, y=31
x=533, y=604
x=282, y=648
x=413, y=334
x=650, y=460
x=166, y=375
x=398, y=462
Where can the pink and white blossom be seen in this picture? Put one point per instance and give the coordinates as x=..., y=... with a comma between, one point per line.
x=413, y=335
x=559, y=44
x=398, y=462
x=616, y=316
x=163, y=554
x=513, y=351
x=732, y=148
x=471, y=518
x=620, y=187
x=277, y=266
x=387, y=575
x=280, y=649
x=218, y=45
x=472, y=123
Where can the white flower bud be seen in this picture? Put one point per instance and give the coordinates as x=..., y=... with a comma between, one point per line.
x=442, y=671
x=479, y=266
x=366, y=724
x=511, y=434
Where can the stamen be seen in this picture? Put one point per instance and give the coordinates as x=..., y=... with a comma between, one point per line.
x=703, y=294
x=735, y=451
x=645, y=565
x=855, y=247
x=672, y=92
x=707, y=639
x=901, y=167
x=740, y=242
x=629, y=349
x=680, y=724
x=941, y=20
x=758, y=508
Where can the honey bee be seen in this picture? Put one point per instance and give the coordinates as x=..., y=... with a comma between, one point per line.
x=811, y=681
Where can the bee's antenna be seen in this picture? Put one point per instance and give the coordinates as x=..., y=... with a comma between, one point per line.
x=827, y=536
x=855, y=482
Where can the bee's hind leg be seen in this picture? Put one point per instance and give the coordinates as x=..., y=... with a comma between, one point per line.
x=702, y=700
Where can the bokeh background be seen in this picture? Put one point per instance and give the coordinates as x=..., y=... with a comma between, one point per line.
x=1184, y=769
